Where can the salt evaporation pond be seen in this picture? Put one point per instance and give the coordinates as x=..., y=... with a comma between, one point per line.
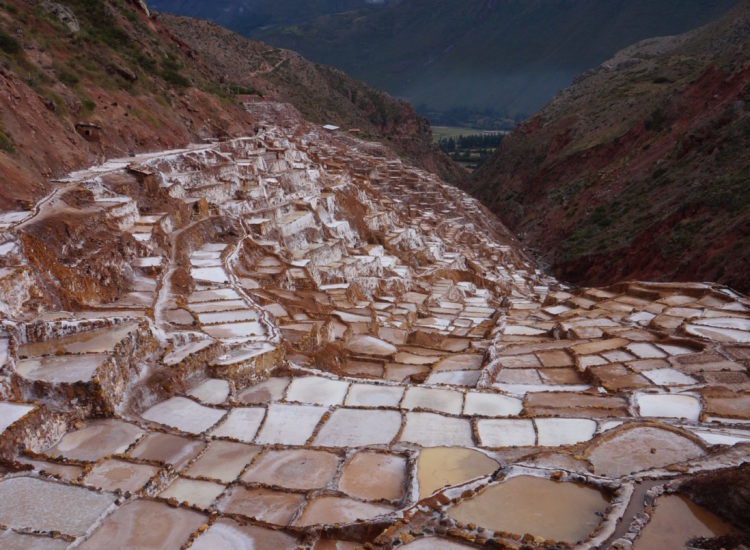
x=60, y=369
x=640, y=448
x=438, y=467
x=564, y=512
x=145, y=525
x=226, y=533
x=374, y=476
x=29, y=503
x=328, y=510
x=92, y=341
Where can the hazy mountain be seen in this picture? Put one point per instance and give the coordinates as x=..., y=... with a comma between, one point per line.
x=460, y=61
x=641, y=168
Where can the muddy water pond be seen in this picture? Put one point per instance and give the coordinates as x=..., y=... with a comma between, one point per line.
x=675, y=521
x=564, y=512
x=439, y=467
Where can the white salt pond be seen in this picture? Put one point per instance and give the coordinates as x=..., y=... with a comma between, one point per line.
x=209, y=274
x=226, y=533
x=329, y=509
x=235, y=330
x=195, y=492
x=60, y=369
x=212, y=391
x=491, y=404
x=443, y=400
x=11, y=412
x=29, y=503
x=317, y=390
x=222, y=460
x=369, y=345
x=434, y=430
x=289, y=424
x=668, y=405
x=356, y=428
x=372, y=395
x=112, y=475
x=506, y=432
x=553, y=432
x=97, y=439
x=293, y=469
x=184, y=414
x=241, y=423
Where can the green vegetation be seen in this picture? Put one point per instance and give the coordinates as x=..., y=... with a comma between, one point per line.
x=8, y=44
x=6, y=144
x=471, y=150
x=171, y=67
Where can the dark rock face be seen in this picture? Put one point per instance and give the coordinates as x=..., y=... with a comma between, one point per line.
x=724, y=492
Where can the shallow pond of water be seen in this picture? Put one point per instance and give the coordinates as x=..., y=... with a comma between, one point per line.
x=675, y=521
x=564, y=512
x=439, y=467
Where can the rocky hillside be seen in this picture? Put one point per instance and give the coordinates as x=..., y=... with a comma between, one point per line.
x=81, y=80
x=641, y=167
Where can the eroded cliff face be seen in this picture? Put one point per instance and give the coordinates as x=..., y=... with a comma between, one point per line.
x=295, y=338
x=640, y=168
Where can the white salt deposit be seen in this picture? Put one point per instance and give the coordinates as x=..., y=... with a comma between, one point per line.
x=183, y=414
x=317, y=390
x=491, y=404
x=356, y=428
x=506, y=432
x=289, y=424
x=434, y=430
x=668, y=405
x=241, y=423
x=564, y=431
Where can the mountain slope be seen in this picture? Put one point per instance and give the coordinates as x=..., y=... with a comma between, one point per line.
x=478, y=61
x=640, y=168
x=81, y=80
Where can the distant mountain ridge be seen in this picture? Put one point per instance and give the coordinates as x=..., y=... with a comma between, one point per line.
x=480, y=63
x=641, y=169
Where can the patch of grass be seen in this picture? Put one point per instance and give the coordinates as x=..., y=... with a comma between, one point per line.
x=600, y=217
x=6, y=144
x=175, y=78
x=88, y=106
x=9, y=7
x=8, y=44
x=68, y=78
